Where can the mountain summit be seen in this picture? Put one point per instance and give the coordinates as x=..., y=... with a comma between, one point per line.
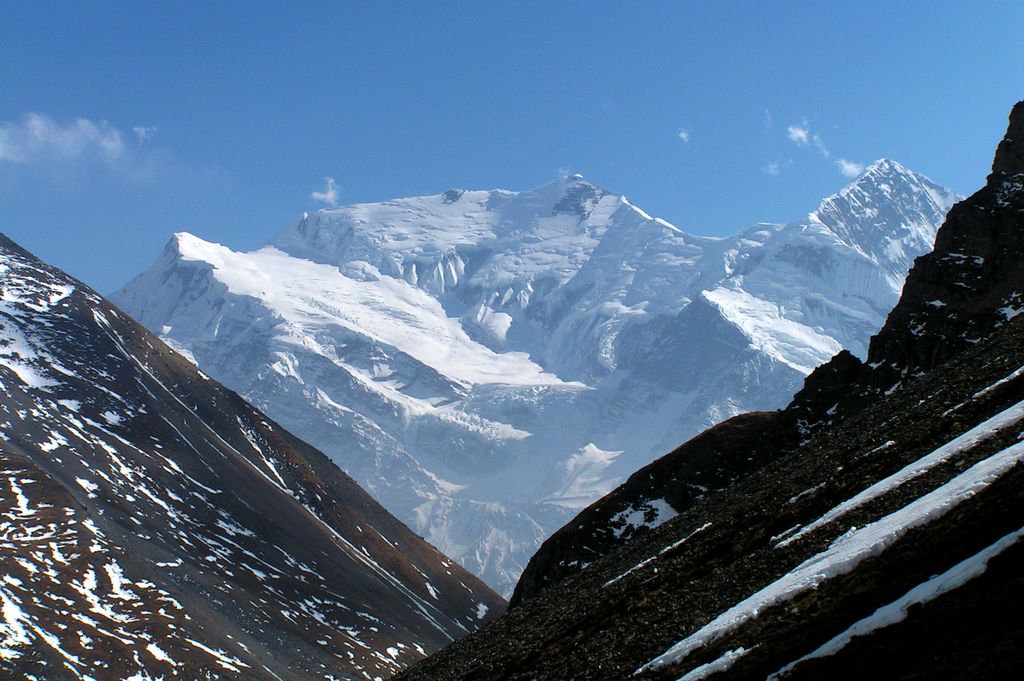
x=486, y=363
x=888, y=212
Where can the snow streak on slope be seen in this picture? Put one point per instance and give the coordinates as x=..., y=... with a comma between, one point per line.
x=897, y=611
x=486, y=362
x=1007, y=418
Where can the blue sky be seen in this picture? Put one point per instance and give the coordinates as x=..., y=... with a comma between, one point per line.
x=121, y=123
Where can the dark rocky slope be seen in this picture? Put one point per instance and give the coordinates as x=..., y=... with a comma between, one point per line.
x=886, y=501
x=154, y=525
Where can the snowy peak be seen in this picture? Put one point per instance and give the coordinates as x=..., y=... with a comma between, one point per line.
x=185, y=246
x=888, y=213
x=884, y=176
x=310, y=300
x=183, y=243
x=479, y=246
x=891, y=179
x=424, y=225
x=572, y=194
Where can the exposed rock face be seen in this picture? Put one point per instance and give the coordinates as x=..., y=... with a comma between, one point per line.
x=874, y=528
x=1010, y=153
x=972, y=282
x=970, y=285
x=153, y=524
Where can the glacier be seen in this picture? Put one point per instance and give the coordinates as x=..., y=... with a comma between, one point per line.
x=487, y=363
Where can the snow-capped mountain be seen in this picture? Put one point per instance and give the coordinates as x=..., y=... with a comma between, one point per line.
x=154, y=525
x=488, y=362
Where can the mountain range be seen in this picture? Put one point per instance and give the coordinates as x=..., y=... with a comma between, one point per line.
x=488, y=363
x=156, y=524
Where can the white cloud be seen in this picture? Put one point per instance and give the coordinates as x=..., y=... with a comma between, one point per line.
x=37, y=138
x=802, y=136
x=820, y=145
x=775, y=168
x=144, y=133
x=849, y=168
x=768, y=120
x=329, y=196
x=684, y=135
x=37, y=151
x=799, y=134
